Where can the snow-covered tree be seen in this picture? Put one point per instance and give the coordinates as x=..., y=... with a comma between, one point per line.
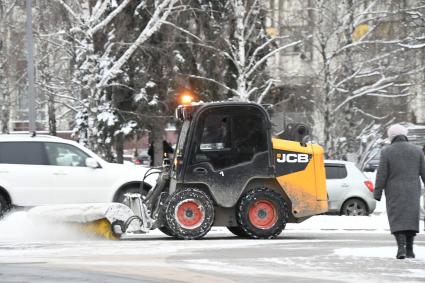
x=101, y=59
x=249, y=48
x=358, y=60
x=54, y=54
x=371, y=137
x=6, y=10
x=240, y=45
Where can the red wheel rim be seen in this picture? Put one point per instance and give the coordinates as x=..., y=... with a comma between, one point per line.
x=190, y=214
x=263, y=214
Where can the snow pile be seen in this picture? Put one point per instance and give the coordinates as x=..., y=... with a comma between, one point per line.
x=82, y=213
x=21, y=227
x=59, y=222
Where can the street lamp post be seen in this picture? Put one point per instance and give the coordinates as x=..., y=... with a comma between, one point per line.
x=30, y=68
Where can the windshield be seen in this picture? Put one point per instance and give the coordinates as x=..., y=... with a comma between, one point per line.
x=376, y=154
x=178, y=156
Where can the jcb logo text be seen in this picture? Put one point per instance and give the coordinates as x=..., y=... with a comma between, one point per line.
x=292, y=158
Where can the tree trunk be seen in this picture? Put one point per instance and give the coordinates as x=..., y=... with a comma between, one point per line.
x=51, y=110
x=5, y=113
x=157, y=138
x=119, y=148
x=5, y=100
x=239, y=9
x=4, y=92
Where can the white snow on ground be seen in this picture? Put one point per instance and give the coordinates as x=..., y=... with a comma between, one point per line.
x=23, y=240
x=379, y=252
x=377, y=223
x=19, y=226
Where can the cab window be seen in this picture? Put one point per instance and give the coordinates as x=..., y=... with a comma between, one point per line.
x=215, y=133
x=250, y=137
x=230, y=138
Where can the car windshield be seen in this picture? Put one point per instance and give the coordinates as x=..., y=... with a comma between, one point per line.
x=376, y=154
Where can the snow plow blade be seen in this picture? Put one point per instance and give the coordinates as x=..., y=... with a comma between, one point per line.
x=106, y=220
x=101, y=228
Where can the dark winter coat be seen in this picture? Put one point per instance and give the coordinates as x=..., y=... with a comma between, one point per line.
x=401, y=164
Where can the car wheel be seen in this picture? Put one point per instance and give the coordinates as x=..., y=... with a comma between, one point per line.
x=4, y=206
x=238, y=231
x=354, y=207
x=166, y=230
x=189, y=214
x=262, y=214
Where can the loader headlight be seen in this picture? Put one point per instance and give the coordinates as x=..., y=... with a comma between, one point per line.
x=186, y=99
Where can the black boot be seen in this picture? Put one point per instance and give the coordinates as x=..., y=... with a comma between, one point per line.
x=409, y=246
x=401, y=244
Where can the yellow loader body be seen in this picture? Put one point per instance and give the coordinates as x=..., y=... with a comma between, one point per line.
x=300, y=171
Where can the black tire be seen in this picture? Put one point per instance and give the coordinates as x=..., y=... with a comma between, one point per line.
x=162, y=219
x=262, y=214
x=354, y=207
x=189, y=214
x=238, y=231
x=166, y=230
x=4, y=206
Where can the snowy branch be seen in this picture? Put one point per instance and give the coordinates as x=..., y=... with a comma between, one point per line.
x=70, y=12
x=215, y=82
x=261, y=47
x=265, y=92
x=371, y=90
x=370, y=115
x=109, y=18
x=264, y=59
x=181, y=29
x=161, y=14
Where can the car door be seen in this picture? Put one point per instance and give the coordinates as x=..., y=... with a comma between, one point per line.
x=230, y=148
x=73, y=181
x=337, y=184
x=24, y=172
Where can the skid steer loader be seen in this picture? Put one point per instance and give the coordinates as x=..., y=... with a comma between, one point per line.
x=227, y=171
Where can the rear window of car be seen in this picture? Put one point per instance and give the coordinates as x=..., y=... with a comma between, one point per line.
x=31, y=153
x=335, y=171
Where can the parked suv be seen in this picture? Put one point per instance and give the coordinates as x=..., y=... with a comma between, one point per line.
x=45, y=170
x=373, y=160
x=349, y=191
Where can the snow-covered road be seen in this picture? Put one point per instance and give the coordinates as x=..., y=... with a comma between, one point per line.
x=326, y=248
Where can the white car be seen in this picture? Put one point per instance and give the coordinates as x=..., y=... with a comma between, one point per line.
x=44, y=170
x=349, y=191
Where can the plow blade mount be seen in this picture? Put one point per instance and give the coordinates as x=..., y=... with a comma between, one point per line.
x=107, y=220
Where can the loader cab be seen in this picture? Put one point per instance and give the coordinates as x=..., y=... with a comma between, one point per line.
x=222, y=146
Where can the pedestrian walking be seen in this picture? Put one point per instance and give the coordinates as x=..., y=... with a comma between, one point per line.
x=400, y=168
x=166, y=150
